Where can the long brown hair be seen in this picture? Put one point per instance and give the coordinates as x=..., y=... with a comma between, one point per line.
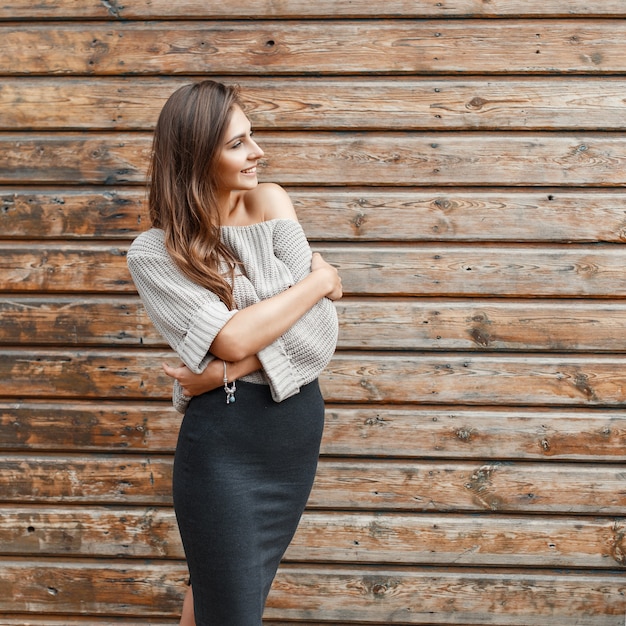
x=187, y=142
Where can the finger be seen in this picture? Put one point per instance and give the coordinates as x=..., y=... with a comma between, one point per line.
x=170, y=371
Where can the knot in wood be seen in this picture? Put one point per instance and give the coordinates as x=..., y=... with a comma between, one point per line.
x=476, y=103
x=379, y=589
x=464, y=434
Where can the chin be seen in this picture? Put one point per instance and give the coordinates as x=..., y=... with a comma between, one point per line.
x=250, y=184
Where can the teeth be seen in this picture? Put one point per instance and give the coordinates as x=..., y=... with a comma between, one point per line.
x=249, y=171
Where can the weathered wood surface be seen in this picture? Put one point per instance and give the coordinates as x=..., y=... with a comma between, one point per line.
x=370, y=595
x=336, y=214
x=113, y=588
x=331, y=537
x=260, y=9
x=386, y=378
x=475, y=434
x=351, y=158
x=42, y=620
x=311, y=47
x=364, y=323
x=409, y=270
x=426, y=103
x=590, y=435
x=450, y=597
x=381, y=485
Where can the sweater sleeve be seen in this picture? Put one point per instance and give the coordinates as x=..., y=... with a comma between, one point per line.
x=292, y=248
x=312, y=340
x=188, y=316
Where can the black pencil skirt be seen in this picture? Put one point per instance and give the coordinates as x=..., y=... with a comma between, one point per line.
x=242, y=475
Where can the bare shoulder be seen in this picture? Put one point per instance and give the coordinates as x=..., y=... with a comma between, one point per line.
x=270, y=201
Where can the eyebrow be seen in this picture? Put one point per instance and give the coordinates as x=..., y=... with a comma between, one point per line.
x=239, y=136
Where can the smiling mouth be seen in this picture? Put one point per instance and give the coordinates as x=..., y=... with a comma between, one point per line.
x=251, y=170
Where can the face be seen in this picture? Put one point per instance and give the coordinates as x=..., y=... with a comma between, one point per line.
x=240, y=154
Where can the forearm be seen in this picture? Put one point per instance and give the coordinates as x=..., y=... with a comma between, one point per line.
x=239, y=369
x=253, y=328
x=213, y=375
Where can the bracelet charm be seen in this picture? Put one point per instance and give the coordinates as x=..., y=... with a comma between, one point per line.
x=230, y=391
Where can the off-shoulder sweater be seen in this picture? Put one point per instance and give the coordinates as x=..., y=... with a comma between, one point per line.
x=274, y=255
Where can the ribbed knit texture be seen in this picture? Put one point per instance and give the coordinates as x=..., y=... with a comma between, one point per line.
x=275, y=255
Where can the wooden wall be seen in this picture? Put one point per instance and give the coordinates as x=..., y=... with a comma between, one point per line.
x=463, y=162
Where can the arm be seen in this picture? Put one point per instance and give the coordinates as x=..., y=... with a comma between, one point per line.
x=213, y=375
x=258, y=325
x=255, y=327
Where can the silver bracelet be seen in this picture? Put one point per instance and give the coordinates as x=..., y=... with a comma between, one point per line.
x=230, y=391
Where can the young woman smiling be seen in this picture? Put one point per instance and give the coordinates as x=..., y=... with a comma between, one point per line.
x=228, y=278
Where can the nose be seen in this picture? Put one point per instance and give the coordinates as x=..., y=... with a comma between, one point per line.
x=255, y=150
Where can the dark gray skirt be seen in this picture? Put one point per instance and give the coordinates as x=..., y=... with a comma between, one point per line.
x=242, y=475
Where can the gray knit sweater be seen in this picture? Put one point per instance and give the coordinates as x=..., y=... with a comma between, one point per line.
x=275, y=255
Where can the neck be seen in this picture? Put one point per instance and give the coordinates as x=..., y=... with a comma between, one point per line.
x=228, y=204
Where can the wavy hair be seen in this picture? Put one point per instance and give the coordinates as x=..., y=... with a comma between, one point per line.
x=182, y=200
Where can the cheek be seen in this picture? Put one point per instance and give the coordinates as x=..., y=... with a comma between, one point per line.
x=227, y=165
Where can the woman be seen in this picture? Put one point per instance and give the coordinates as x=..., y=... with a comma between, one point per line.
x=228, y=278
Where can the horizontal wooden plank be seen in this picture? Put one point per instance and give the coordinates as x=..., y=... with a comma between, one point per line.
x=104, y=479
x=470, y=380
x=511, y=325
x=366, y=270
x=479, y=434
x=42, y=620
x=450, y=103
x=336, y=214
x=340, y=595
x=393, y=378
x=228, y=9
x=457, y=540
x=109, y=213
x=57, y=159
x=80, y=320
x=576, y=326
x=380, y=270
x=332, y=537
x=364, y=323
x=382, y=431
x=532, y=271
x=340, y=158
x=41, y=267
x=102, y=588
x=451, y=597
x=376, y=485
x=402, y=46
x=454, y=487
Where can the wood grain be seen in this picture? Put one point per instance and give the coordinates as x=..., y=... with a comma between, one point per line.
x=343, y=594
x=379, y=485
x=366, y=270
x=461, y=162
x=346, y=158
x=377, y=103
x=227, y=9
x=331, y=537
x=313, y=47
x=364, y=323
x=388, y=378
x=451, y=597
x=351, y=215
x=590, y=435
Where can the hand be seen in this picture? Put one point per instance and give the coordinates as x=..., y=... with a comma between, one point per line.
x=319, y=265
x=196, y=384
